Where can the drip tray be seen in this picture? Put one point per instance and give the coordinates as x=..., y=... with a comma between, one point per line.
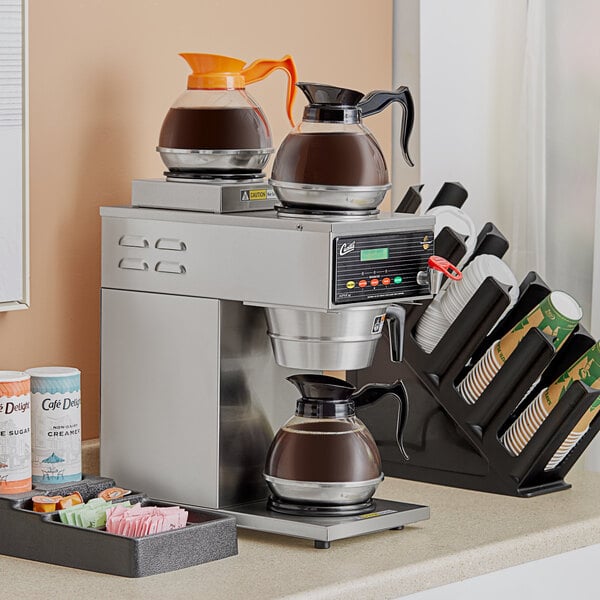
x=386, y=514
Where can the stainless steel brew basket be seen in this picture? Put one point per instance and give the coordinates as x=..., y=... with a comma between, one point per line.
x=332, y=341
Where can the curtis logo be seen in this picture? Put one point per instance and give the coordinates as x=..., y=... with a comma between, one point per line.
x=347, y=248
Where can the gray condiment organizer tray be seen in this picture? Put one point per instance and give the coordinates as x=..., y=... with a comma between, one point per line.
x=209, y=535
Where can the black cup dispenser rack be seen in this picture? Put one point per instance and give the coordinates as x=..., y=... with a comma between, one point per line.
x=451, y=442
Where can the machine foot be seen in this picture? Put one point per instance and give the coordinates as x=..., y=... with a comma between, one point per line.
x=397, y=528
x=322, y=545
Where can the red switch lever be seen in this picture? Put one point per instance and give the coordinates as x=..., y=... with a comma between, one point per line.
x=446, y=267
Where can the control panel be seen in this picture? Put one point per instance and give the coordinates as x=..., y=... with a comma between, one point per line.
x=382, y=265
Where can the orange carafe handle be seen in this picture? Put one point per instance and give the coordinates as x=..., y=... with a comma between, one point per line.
x=262, y=67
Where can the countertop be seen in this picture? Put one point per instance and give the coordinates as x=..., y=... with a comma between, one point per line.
x=469, y=533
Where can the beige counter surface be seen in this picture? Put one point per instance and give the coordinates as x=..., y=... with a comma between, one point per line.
x=469, y=533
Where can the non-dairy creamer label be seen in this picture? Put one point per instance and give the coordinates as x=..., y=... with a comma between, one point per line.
x=15, y=439
x=56, y=436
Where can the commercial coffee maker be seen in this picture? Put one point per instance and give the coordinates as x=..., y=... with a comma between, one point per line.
x=192, y=391
x=213, y=293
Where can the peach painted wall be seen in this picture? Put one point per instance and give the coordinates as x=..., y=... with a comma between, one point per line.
x=103, y=74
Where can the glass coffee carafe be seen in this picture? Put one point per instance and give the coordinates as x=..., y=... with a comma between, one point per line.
x=331, y=160
x=324, y=460
x=215, y=125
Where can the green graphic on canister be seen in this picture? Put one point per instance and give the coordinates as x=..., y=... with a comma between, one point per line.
x=56, y=424
x=557, y=315
x=587, y=369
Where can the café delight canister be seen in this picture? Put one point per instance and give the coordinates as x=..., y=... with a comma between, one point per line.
x=55, y=424
x=15, y=433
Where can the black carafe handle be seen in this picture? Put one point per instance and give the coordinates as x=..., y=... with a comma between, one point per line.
x=396, y=317
x=377, y=100
x=374, y=391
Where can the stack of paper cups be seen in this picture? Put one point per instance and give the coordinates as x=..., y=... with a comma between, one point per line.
x=15, y=433
x=521, y=431
x=56, y=424
x=557, y=315
x=480, y=375
x=587, y=369
x=564, y=449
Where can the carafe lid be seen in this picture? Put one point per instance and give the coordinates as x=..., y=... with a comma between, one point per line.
x=330, y=104
x=217, y=72
x=323, y=396
x=322, y=387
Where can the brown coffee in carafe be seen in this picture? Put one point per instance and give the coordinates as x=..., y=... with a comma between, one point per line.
x=324, y=450
x=331, y=158
x=215, y=128
x=331, y=161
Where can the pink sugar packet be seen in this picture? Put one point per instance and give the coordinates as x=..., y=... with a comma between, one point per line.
x=139, y=521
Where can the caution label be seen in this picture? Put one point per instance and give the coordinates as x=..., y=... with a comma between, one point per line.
x=258, y=194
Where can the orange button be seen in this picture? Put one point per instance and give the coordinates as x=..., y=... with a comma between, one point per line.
x=386, y=281
x=374, y=282
x=362, y=283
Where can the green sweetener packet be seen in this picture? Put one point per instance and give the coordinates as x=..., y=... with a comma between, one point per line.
x=91, y=514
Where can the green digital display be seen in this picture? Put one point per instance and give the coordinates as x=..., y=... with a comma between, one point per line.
x=374, y=254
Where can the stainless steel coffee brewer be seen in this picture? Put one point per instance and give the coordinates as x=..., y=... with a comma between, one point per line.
x=211, y=298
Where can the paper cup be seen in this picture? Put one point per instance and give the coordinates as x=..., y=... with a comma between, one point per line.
x=480, y=376
x=523, y=429
x=557, y=315
x=587, y=369
x=563, y=450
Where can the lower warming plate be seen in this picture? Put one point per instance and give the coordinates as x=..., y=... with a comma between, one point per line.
x=386, y=514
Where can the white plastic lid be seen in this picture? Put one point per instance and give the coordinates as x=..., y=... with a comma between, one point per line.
x=566, y=305
x=52, y=371
x=10, y=376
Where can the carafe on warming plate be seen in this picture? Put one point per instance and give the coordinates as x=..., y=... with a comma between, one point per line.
x=215, y=125
x=331, y=160
x=324, y=459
